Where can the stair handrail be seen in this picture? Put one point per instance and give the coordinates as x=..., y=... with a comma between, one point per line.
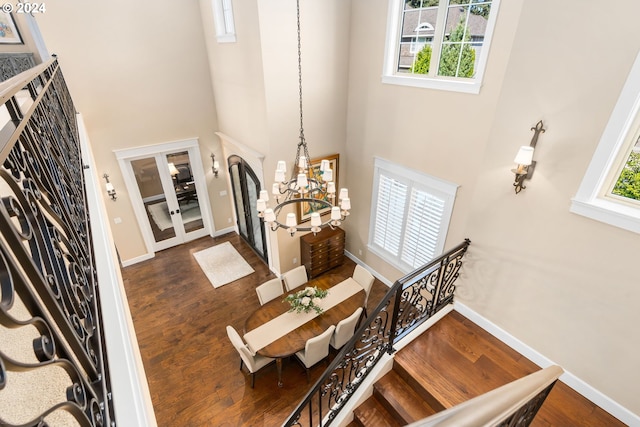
x=412, y=300
x=513, y=404
x=47, y=259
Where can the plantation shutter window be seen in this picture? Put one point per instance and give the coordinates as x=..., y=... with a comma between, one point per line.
x=410, y=215
x=392, y=196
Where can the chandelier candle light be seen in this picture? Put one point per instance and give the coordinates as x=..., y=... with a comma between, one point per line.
x=307, y=186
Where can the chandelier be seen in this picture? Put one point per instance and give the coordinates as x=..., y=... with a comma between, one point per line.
x=308, y=188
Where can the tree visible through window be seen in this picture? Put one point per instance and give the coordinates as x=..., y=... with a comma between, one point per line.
x=628, y=183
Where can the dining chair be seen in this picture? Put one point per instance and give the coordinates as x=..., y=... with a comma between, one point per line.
x=315, y=349
x=365, y=279
x=271, y=289
x=344, y=329
x=295, y=277
x=254, y=363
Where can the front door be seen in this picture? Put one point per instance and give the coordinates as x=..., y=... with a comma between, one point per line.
x=246, y=188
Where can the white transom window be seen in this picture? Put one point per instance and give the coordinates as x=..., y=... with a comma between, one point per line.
x=440, y=44
x=223, y=17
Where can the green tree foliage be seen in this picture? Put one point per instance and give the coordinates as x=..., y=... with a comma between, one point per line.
x=451, y=53
x=476, y=9
x=422, y=3
x=423, y=59
x=628, y=184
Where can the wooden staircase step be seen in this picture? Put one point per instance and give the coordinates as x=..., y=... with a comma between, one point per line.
x=372, y=414
x=456, y=360
x=400, y=399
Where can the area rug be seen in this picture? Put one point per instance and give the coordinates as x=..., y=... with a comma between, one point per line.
x=222, y=264
x=160, y=214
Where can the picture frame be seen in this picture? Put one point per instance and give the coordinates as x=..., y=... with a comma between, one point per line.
x=9, y=33
x=306, y=209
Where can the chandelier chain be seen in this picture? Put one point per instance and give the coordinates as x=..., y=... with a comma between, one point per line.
x=300, y=71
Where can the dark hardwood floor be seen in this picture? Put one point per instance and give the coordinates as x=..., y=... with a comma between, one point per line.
x=192, y=368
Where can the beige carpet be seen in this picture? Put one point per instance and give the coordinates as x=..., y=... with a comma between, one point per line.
x=222, y=264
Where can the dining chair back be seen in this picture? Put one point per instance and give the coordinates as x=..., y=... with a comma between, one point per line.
x=344, y=329
x=295, y=277
x=254, y=363
x=269, y=290
x=365, y=279
x=315, y=349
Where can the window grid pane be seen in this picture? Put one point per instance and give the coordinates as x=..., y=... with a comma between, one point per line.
x=392, y=195
x=423, y=224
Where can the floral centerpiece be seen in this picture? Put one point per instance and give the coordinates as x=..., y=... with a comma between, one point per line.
x=305, y=300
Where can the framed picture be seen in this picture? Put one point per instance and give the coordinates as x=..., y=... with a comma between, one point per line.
x=8, y=31
x=306, y=209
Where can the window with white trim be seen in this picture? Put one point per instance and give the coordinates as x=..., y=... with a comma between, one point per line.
x=606, y=192
x=441, y=44
x=223, y=17
x=410, y=215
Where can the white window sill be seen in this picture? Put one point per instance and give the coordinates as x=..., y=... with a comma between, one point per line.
x=609, y=212
x=226, y=38
x=470, y=86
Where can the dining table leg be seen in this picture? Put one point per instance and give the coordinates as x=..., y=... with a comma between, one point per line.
x=279, y=367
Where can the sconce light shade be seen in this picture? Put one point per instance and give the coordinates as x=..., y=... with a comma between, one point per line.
x=524, y=156
x=173, y=170
x=215, y=167
x=524, y=159
x=110, y=190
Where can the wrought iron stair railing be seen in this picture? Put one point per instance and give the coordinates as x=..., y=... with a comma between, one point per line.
x=53, y=367
x=411, y=301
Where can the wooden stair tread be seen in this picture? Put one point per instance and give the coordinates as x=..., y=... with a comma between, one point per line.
x=456, y=360
x=372, y=414
x=401, y=399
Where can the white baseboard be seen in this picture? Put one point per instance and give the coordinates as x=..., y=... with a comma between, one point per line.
x=371, y=270
x=138, y=259
x=595, y=396
x=222, y=231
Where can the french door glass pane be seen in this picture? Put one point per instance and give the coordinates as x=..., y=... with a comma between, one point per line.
x=153, y=198
x=185, y=191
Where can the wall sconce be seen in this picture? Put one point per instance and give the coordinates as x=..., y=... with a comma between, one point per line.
x=215, y=165
x=524, y=159
x=110, y=190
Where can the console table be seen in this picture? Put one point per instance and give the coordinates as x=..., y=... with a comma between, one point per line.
x=323, y=251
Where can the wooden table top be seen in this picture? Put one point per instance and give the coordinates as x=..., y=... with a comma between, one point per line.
x=296, y=339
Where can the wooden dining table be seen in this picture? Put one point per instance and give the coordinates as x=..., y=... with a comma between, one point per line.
x=295, y=340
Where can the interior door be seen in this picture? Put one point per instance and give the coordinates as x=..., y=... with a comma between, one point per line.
x=167, y=186
x=246, y=188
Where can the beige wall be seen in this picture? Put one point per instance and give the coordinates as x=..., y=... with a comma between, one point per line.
x=561, y=283
x=138, y=73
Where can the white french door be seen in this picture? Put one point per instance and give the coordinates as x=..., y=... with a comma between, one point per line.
x=168, y=191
